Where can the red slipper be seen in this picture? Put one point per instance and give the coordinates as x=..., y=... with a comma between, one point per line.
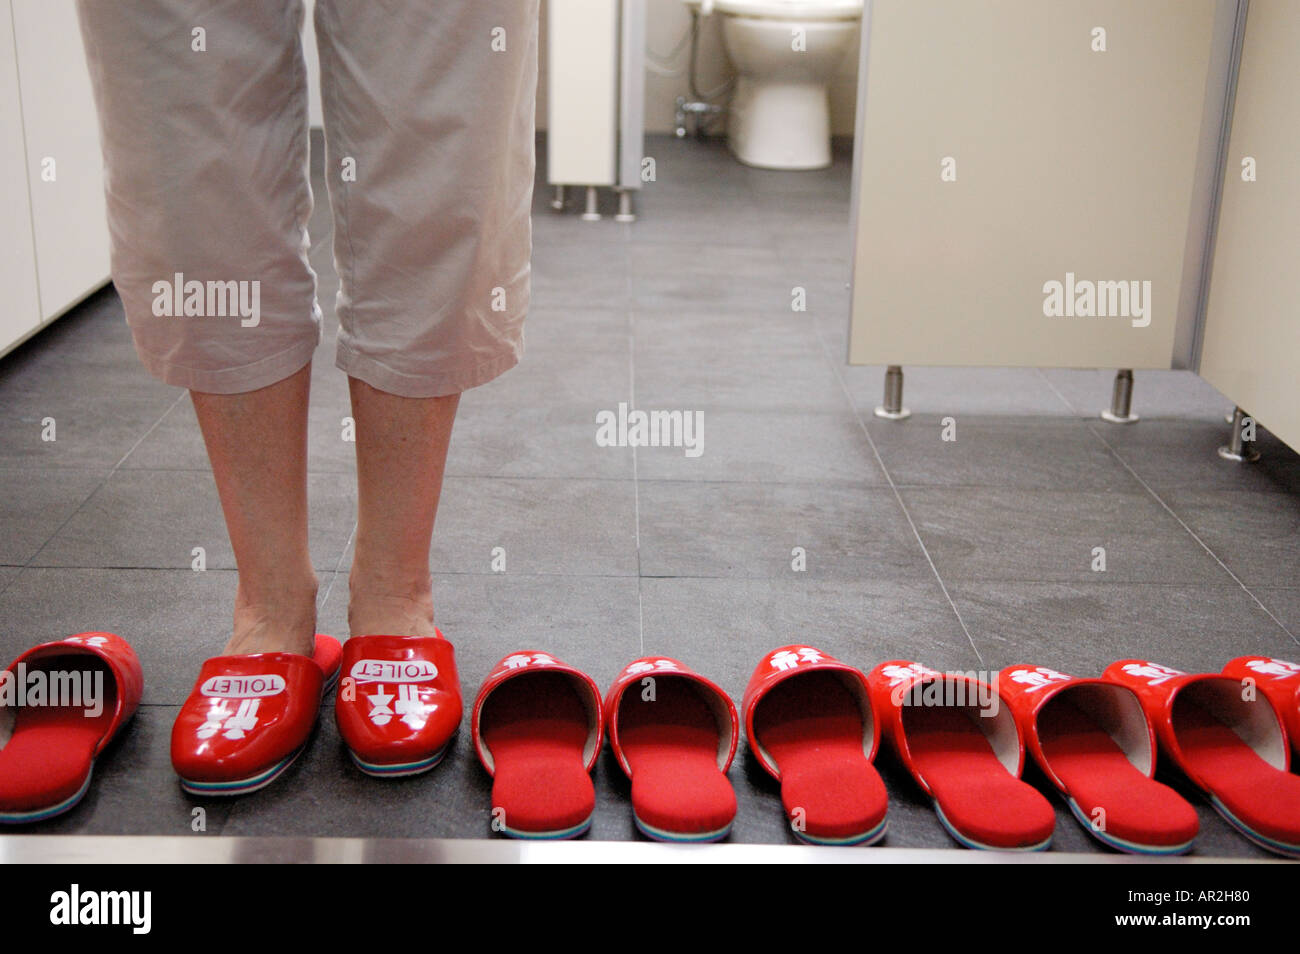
x=1280, y=681
x=1093, y=741
x=809, y=722
x=1232, y=748
x=961, y=744
x=248, y=717
x=399, y=703
x=61, y=703
x=537, y=729
x=674, y=735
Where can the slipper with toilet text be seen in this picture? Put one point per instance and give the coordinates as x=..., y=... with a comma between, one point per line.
x=962, y=746
x=1093, y=741
x=399, y=703
x=1229, y=741
x=537, y=729
x=61, y=703
x=1280, y=681
x=249, y=717
x=674, y=734
x=809, y=723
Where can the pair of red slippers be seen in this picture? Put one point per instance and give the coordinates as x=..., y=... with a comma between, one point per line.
x=538, y=725
x=249, y=717
x=815, y=724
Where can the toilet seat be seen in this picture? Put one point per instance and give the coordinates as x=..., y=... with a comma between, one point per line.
x=791, y=10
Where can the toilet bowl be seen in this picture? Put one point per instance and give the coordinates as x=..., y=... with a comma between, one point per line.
x=785, y=53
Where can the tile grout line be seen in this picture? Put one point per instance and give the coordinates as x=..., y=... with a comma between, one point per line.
x=1160, y=500
x=337, y=566
x=839, y=378
x=636, y=481
x=107, y=477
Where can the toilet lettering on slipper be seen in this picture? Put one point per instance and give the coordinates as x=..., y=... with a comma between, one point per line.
x=520, y=660
x=388, y=670
x=790, y=658
x=1153, y=673
x=901, y=678
x=635, y=428
x=243, y=687
x=1274, y=668
x=232, y=725
x=408, y=705
x=1037, y=678
x=646, y=665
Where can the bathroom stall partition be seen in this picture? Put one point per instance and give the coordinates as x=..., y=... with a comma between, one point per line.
x=595, y=99
x=1037, y=184
x=1250, y=347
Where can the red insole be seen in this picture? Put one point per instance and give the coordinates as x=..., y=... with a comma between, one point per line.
x=1263, y=798
x=48, y=756
x=811, y=726
x=671, y=745
x=535, y=726
x=1097, y=774
x=978, y=796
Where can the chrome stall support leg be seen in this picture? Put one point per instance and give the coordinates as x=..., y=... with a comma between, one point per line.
x=893, y=409
x=625, y=213
x=591, y=215
x=1121, y=400
x=557, y=202
x=1236, y=450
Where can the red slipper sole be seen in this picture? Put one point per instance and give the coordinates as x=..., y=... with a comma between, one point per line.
x=975, y=793
x=1135, y=810
x=811, y=726
x=536, y=728
x=671, y=745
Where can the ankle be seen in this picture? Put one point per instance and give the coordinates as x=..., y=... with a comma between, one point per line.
x=275, y=618
x=393, y=605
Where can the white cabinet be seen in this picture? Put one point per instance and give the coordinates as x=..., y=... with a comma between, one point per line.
x=21, y=313
x=53, y=192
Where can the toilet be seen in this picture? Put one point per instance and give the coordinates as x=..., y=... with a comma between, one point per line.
x=780, y=111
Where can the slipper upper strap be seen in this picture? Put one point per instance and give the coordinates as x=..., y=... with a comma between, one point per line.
x=245, y=714
x=527, y=662
x=1277, y=679
x=122, y=663
x=1251, y=716
x=1114, y=707
x=640, y=674
x=900, y=683
x=786, y=662
x=398, y=694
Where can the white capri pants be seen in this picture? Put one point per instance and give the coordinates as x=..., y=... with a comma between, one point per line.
x=429, y=161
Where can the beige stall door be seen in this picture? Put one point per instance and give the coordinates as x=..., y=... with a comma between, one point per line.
x=1251, y=349
x=1068, y=161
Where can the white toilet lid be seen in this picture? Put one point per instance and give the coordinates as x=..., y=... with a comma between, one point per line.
x=792, y=9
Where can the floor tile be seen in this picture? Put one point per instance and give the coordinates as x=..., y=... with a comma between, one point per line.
x=155, y=519
x=691, y=528
x=988, y=533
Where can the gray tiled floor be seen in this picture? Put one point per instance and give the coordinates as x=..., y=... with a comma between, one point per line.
x=969, y=554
